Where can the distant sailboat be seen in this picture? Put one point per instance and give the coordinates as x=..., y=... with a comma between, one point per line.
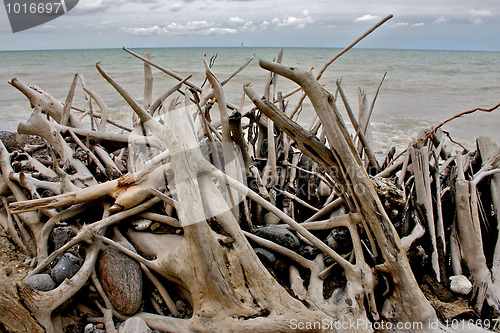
x=242, y=44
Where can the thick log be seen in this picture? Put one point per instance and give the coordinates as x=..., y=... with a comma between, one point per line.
x=14, y=317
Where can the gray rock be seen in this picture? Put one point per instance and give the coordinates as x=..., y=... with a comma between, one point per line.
x=134, y=325
x=41, y=282
x=61, y=235
x=267, y=257
x=66, y=267
x=279, y=235
x=121, y=279
x=460, y=284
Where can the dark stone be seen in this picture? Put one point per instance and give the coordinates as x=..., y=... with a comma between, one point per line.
x=121, y=279
x=41, y=282
x=308, y=251
x=339, y=240
x=279, y=235
x=67, y=266
x=47, y=193
x=267, y=257
x=61, y=235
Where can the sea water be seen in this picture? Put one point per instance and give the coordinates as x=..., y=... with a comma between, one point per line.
x=421, y=88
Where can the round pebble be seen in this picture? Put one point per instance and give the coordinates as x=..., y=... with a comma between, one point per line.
x=66, y=267
x=460, y=284
x=41, y=282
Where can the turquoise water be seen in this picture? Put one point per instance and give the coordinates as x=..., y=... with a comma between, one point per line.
x=421, y=89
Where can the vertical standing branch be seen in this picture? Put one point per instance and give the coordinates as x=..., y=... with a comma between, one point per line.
x=359, y=132
x=420, y=158
x=230, y=160
x=69, y=100
x=148, y=82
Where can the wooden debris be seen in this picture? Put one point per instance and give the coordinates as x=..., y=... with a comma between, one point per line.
x=194, y=251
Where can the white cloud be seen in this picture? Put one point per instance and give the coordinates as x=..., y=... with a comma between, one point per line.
x=264, y=25
x=222, y=31
x=401, y=24
x=367, y=18
x=144, y=31
x=418, y=24
x=292, y=21
x=189, y=26
x=193, y=28
x=236, y=19
x=481, y=12
x=249, y=26
x=441, y=20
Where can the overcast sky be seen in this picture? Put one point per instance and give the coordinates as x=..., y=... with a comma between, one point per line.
x=417, y=24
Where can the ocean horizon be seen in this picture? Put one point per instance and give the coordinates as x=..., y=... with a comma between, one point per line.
x=421, y=89
x=247, y=46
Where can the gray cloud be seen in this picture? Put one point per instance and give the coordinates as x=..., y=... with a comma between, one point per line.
x=100, y=6
x=270, y=22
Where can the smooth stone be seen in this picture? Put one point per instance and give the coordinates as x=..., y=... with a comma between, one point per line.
x=460, y=284
x=270, y=218
x=66, y=267
x=121, y=279
x=267, y=257
x=41, y=282
x=279, y=235
x=134, y=325
x=323, y=189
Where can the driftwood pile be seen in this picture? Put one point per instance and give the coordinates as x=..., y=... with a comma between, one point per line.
x=250, y=223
